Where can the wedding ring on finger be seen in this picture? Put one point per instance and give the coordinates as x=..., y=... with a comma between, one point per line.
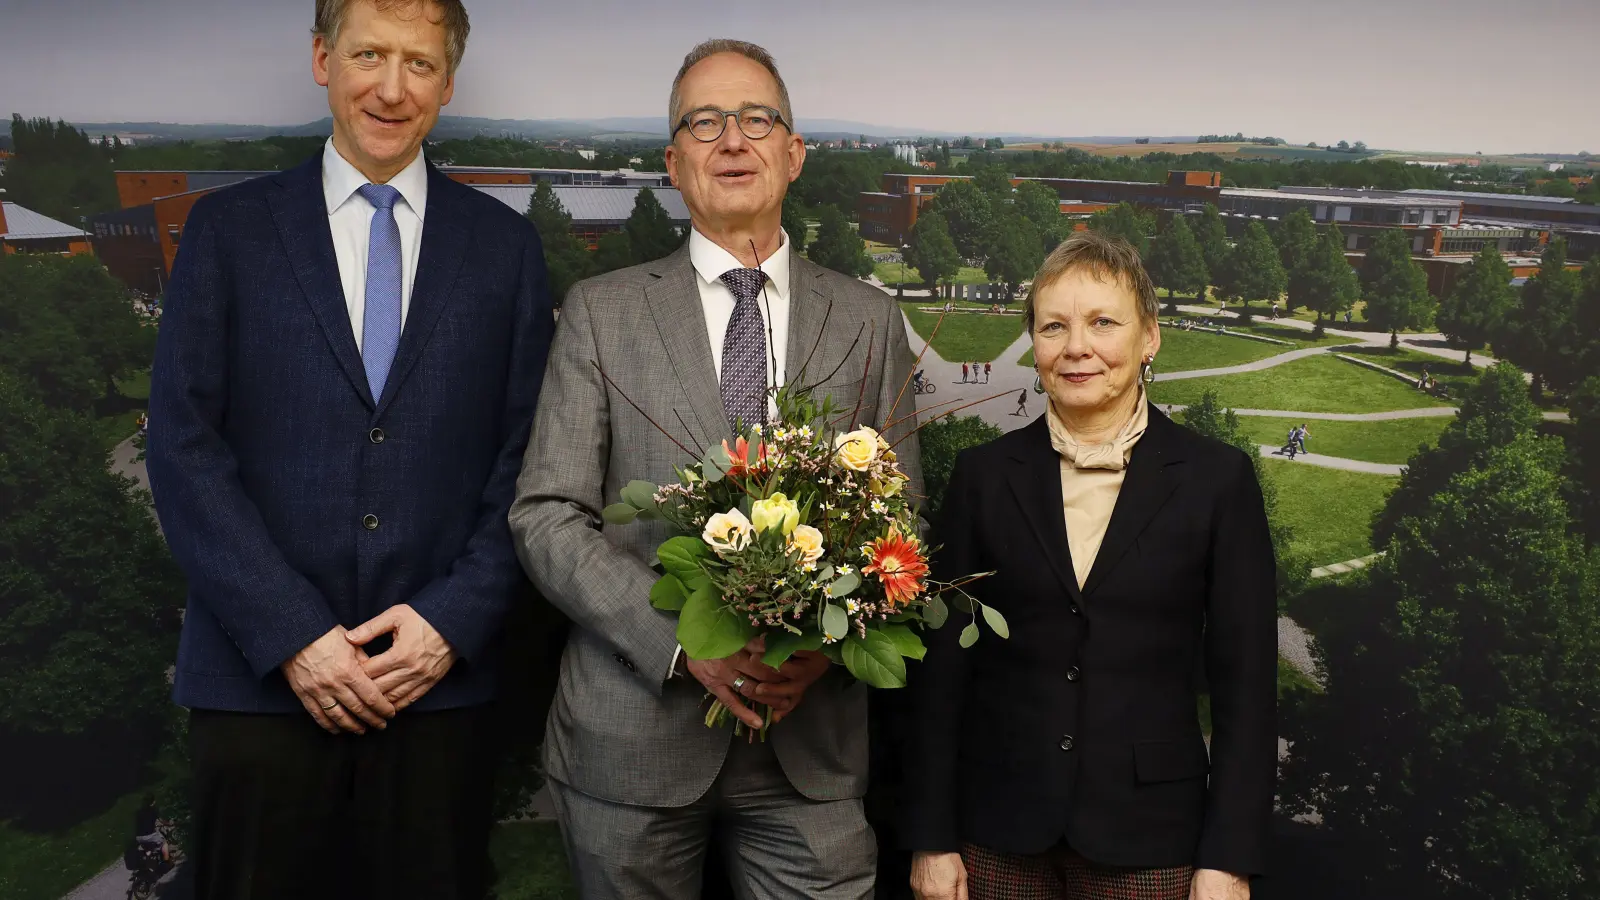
x=738, y=683
x=331, y=705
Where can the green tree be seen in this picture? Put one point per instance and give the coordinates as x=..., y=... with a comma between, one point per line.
x=1214, y=245
x=993, y=181
x=794, y=224
x=1538, y=333
x=566, y=256
x=1176, y=261
x=1476, y=309
x=1324, y=282
x=1254, y=271
x=1445, y=753
x=1395, y=288
x=1128, y=222
x=613, y=251
x=1041, y=205
x=1586, y=321
x=970, y=217
x=650, y=231
x=839, y=247
x=941, y=440
x=932, y=252
x=1296, y=239
x=1208, y=417
x=1584, y=462
x=57, y=172
x=1015, y=252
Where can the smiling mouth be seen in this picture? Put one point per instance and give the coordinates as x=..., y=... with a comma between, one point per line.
x=732, y=174
x=1078, y=377
x=384, y=121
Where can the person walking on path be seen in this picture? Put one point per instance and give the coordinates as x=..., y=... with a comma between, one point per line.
x=986, y=368
x=1022, y=403
x=963, y=373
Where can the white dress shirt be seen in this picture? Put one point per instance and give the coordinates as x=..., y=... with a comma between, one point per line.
x=710, y=261
x=350, y=220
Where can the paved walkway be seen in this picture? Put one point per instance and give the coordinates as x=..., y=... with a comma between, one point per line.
x=112, y=884
x=1256, y=366
x=1431, y=343
x=1349, y=565
x=1332, y=462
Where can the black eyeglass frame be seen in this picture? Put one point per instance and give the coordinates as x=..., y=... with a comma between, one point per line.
x=738, y=114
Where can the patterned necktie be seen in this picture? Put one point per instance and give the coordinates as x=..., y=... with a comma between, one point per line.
x=380, y=328
x=744, y=350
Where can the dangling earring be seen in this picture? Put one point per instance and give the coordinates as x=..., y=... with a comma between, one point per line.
x=1038, y=386
x=1147, y=373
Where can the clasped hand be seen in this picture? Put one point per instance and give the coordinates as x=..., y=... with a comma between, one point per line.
x=780, y=688
x=345, y=689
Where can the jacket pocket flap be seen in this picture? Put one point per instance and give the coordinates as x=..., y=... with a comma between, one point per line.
x=1155, y=761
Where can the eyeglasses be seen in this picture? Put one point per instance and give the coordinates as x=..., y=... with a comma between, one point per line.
x=707, y=123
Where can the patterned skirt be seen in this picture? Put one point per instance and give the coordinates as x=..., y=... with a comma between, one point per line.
x=1062, y=874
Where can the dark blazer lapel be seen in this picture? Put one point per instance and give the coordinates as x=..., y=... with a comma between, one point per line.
x=1151, y=478
x=1035, y=479
x=674, y=301
x=300, y=213
x=446, y=235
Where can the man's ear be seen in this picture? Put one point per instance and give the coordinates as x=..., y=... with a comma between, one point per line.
x=320, y=52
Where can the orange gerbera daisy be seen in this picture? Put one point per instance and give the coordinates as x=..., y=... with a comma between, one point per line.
x=899, y=564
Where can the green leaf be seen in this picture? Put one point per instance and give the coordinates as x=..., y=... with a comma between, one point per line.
x=641, y=494
x=969, y=635
x=782, y=646
x=825, y=574
x=707, y=629
x=906, y=641
x=681, y=556
x=996, y=621
x=875, y=660
x=716, y=464
x=834, y=621
x=833, y=652
x=937, y=612
x=668, y=593
x=844, y=585
x=619, y=514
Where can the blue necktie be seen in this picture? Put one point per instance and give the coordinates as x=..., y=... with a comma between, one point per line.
x=380, y=326
x=744, y=350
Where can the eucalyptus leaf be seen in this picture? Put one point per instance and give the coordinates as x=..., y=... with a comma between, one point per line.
x=642, y=494
x=937, y=613
x=969, y=635
x=708, y=629
x=619, y=514
x=996, y=621
x=668, y=593
x=826, y=573
x=834, y=621
x=844, y=585
x=875, y=660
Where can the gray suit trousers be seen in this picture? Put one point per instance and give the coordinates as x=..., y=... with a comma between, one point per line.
x=779, y=845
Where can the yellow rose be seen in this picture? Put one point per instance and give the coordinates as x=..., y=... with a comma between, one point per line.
x=857, y=449
x=727, y=532
x=777, y=512
x=807, y=541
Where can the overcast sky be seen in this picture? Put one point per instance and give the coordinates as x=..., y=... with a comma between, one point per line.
x=1455, y=75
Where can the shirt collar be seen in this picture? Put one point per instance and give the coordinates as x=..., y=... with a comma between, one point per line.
x=711, y=260
x=1113, y=454
x=340, y=179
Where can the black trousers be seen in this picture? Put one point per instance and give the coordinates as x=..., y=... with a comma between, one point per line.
x=283, y=809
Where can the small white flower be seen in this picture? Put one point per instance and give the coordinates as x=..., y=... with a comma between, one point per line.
x=781, y=582
x=829, y=639
x=808, y=567
x=805, y=431
x=844, y=570
x=816, y=585
x=850, y=606
x=879, y=507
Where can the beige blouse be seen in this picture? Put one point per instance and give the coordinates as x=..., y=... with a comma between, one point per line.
x=1091, y=479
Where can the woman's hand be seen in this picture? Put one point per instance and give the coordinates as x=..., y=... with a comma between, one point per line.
x=938, y=876
x=1210, y=884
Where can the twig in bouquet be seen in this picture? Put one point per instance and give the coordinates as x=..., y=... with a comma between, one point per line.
x=958, y=584
x=918, y=364
x=624, y=395
x=842, y=360
x=861, y=389
x=944, y=415
x=925, y=413
x=772, y=351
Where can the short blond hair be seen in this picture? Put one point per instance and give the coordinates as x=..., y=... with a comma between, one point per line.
x=331, y=13
x=706, y=49
x=1105, y=259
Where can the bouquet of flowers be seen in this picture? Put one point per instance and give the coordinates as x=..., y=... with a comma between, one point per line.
x=802, y=536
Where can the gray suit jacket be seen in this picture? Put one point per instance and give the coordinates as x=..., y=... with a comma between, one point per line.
x=619, y=728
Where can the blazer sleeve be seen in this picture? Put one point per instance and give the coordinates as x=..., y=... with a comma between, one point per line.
x=467, y=605
x=1241, y=657
x=215, y=530
x=555, y=519
x=937, y=687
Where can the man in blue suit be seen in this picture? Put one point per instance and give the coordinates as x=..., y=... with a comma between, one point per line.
x=343, y=388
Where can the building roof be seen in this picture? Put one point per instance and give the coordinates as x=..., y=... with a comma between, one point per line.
x=1353, y=196
x=590, y=204
x=1490, y=195
x=23, y=224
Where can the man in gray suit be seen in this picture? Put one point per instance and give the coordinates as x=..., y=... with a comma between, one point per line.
x=691, y=343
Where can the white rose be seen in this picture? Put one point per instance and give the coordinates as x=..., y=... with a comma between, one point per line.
x=807, y=541
x=728, y=532
x=857, y=449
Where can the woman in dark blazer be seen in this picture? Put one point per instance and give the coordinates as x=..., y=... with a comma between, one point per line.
x=1130, y=555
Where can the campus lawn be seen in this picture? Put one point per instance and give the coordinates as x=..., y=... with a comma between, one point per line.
x=1298, y=336
x=1450, y=373
x=965, y=337
x=122, y=420
x=530, y=862
x=1392, y=442
x=1185, y=351
x=1313, y=384
x=48, y=866
x=1330, y=510
x=890, y=273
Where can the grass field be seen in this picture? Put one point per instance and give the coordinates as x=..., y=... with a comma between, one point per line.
x=965, y=336
x=890, y=273
x=1392, y=443
x=48, y=866
x=531, y=863
x=1330, y=510
x=1448, y=372
x=1316, y=384
x=1185, y=351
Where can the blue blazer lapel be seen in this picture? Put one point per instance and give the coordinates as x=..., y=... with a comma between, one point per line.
x=446, y=235
x=301, y=215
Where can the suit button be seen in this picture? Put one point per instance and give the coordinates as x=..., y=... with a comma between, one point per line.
x=375, y=435
x=1073, y=609
x=1073, y=674
x=626, y=663
x=1066, y=742
x=370, y=522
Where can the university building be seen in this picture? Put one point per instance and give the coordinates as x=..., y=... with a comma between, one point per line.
x=24, y=231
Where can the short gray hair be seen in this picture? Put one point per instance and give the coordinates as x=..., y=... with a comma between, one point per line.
x=331, y=13
x=727, y=45
x=1104, y=258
